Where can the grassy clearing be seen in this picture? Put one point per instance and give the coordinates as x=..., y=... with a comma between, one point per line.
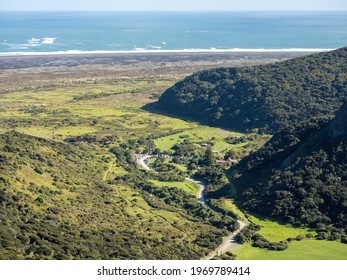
x=198, y=134
x=118, y=171
x=271, y=230
x=51, y=133
x=229, y=204
x=37, y=131
x=75, y=130
x=172, y=123
x=186, y=186
x=27, y=174
x=297, y=250
x=57, y=114
x=96, y=111
x=276, y=232
x=179, y=166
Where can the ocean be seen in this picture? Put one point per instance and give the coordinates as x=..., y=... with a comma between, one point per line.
x=93, y=32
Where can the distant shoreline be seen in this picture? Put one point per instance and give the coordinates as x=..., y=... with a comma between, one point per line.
x=183, y=51
x=152, y=59
x=37, y=71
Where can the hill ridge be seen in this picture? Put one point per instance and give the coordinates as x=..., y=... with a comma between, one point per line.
x=265, y=97
x=300, y=175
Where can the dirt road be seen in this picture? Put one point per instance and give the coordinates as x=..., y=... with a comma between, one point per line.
x=229, y=243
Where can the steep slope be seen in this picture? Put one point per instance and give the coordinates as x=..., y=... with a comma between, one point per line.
x=266, y=97
x=54, y=204
x=300, y=175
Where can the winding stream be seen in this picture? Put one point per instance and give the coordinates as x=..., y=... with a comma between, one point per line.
x=229, y=243
x=142, y=161
x=200, y=196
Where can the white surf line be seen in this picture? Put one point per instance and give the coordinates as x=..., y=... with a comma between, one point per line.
x=144, y=51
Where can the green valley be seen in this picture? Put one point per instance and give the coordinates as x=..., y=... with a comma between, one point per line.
x=68, y=193
x=71, y=186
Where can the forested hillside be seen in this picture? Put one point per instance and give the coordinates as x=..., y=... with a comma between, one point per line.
x=300, y=176
x=56, y=204
x=268, y=97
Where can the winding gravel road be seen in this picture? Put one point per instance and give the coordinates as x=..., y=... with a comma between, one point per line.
x=229, y=243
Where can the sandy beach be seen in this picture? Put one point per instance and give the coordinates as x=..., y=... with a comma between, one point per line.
x=37, y=71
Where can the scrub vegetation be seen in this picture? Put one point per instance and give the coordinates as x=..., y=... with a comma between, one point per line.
x=71, y=186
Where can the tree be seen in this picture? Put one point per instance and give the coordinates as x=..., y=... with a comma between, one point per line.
x=208, y=158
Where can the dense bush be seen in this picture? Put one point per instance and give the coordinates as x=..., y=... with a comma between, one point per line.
x=54, y=204
x=261, y=242
x=300, y=175
x=247, y=233
x=266, y=97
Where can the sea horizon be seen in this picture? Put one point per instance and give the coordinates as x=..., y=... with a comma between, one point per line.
x=105, y=32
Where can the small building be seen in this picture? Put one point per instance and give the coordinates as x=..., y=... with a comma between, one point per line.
x=222, y=161
x=229, y=161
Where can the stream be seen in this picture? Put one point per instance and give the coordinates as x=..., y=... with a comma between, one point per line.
x=142, y=161
x=200, y=196
x=229, y=243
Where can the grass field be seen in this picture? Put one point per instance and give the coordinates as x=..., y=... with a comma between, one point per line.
x=186, y=186
x=271, y=230
x=198, y=134
x=306, y=249
x=104, y=109
x=297, y=250
x=274, y=231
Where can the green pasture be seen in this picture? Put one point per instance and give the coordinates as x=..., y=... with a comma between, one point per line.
x=274, y=231
x=198, y=134
x=270, y=229
x=62, y=112
x=297, y=250
x=187, y=186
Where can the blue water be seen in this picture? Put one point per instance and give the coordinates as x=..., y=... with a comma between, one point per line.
x=26, y=32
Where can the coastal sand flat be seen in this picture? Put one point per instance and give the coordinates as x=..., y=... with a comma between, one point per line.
x=37, y=71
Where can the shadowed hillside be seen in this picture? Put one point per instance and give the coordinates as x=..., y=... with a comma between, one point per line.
x=300, y=175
